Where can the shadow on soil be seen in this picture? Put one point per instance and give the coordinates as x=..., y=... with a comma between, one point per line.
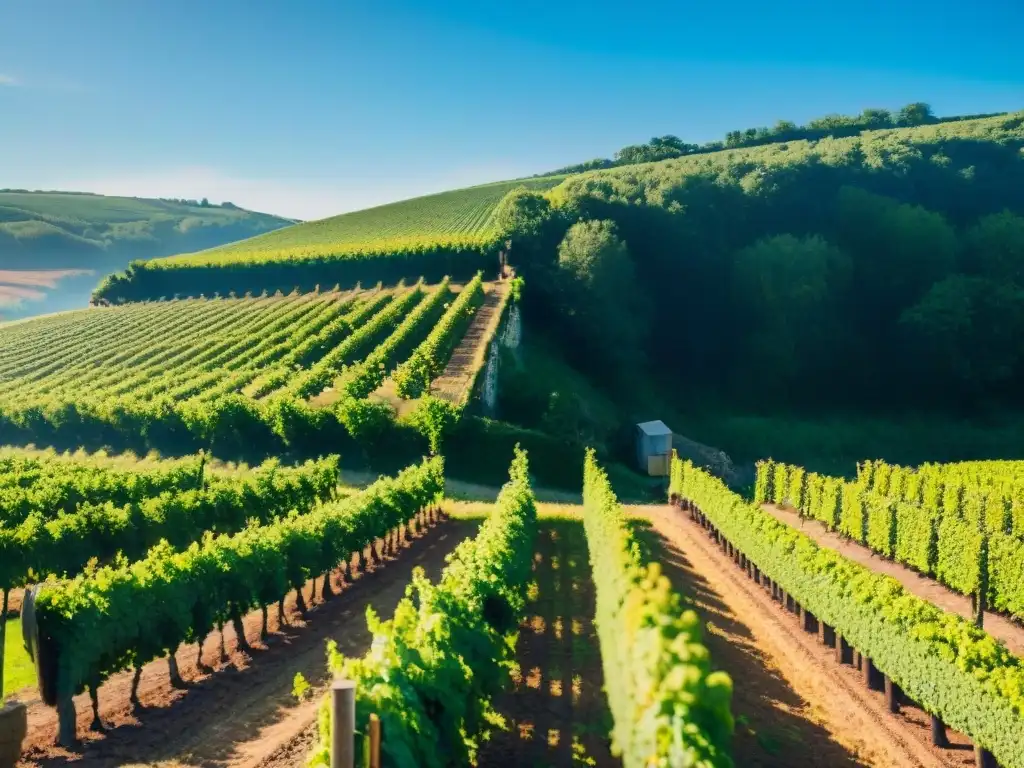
x=771, y=730
x=555, y=709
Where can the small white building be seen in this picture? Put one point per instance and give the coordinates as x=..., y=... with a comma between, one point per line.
x=654, y=448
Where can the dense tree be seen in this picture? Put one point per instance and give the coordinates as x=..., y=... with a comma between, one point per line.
x=899, y=208
x=967, y=331
x=917, y=113
x=994, y=247
x=902, y=249
x=876, y=118
x=601, y=295
x=789, y=290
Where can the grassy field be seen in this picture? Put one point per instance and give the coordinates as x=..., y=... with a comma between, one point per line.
x=55, y=246
x=19, y=671
x=61, y=224
x=459, y=214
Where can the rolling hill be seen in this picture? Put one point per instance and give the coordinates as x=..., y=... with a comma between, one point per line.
x=451, y=233
x=53, y=245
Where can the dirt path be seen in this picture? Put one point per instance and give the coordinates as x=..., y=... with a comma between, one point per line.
x=556, y=711
x=471, y=353
x=924, y=587
x=794, y=704
x=242, y=712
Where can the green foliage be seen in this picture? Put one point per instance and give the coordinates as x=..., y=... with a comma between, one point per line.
x=994, y=247
x=916, y=537
x=959, y=563
x=1005, y=574
x=764, y=490
x=362, y=379
x=522, y=212
x=954, y=522
x=669, y=707
x=952, y=669
x=831, y=242
x=881, y=525
x=428, y=360
x=789, y=289
x=601, y=295
x=516, y=288
x=69, y=541
x=437, y=665
x=853, y=521
x=455, y=233
x=124, y=614
x=46, y=484
x=965, y=329
x=434, y=418
x=300, y=687
x=669, y=147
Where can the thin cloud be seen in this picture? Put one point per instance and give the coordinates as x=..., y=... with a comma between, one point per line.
x=9, y=80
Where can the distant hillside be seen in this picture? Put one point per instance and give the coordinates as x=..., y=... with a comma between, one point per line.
x=448, y=233
x=56, y=235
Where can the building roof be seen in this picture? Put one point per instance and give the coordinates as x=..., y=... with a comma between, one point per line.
x=654, y=428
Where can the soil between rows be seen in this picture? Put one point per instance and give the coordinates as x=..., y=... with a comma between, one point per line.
x=838, y=722
x=243, y=711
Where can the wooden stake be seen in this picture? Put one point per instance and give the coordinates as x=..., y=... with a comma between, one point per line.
x=939, y=738
x=983, y=758
x=343, y=723
x=892, y=695
x=374, y=741
x=867, y=669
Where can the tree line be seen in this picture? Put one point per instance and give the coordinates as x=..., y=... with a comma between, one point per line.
x=829, y=126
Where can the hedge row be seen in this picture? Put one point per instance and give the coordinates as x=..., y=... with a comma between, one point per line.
x=432, y=259
x=952, y=669
x=435, y=667
x=669, y=707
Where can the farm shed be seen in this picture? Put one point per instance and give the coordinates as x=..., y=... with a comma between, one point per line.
x=653, y=447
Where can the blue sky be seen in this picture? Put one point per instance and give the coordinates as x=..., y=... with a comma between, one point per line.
x=313, y=108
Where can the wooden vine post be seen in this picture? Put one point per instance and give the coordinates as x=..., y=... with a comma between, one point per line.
x=375, y=742
x=343, y=723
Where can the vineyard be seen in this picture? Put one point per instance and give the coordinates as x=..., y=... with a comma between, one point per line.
x=146, y=575
x=451, y=233
x=133, y=584
x=239, y=376
x=238, y=455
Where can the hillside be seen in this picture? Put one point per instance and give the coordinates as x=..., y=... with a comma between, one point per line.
x=451, y=233
x=875, y=271
x=67, y=240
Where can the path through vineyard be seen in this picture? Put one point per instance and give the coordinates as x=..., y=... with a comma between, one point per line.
x=244, y=712
x=471, y=352
x=926, y=588
x=794, y=705
x=556, y=709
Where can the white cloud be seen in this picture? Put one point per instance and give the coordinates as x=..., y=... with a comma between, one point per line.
x=8, y=80
x=292, y=197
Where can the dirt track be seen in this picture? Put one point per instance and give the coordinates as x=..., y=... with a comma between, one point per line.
x=794, y=704
x=241, y=713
